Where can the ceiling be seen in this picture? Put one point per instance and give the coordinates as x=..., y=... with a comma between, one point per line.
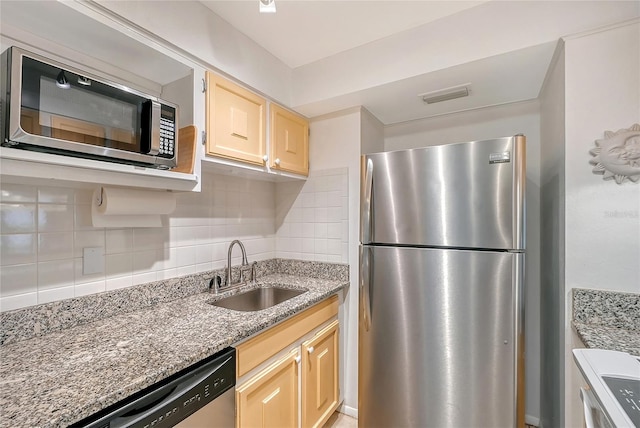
x=305, y=31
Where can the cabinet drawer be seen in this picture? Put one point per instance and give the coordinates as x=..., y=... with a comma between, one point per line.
x=254, y=351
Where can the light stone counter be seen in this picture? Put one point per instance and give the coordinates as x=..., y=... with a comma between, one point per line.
x=607, y=320
x=63, y=376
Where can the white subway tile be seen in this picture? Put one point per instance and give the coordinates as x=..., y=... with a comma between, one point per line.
x=308, y=246
x=55, y=274
x=55, y=217
x=17, y=193
x=308, y=256
x=322, y=199
x=55, y=294
x=334, y=199
x=90, y=288
x=80, y=278
x=17, y=218
x=18, y=301
x=320, y=230
x=118, y=265
x=219, y=232
x=334, y=214
x=320, y=257
x=204, y=253
x=87, y=238
x=146, y=261
x=56, y=195
x=186, y=256
x=118, y=241
x=83, y=196
x=321, y=215
x=82, y=217
x=308, y=215
x=308, y=200
x=167, y=274
x=334, y=230
x=120, y=282
x=320, y=246
x=308, y=230
x=284, y=230
x=334, y=247
x=143, y=278
x=345, y=208
x=295, y=230
x=185, y=270
x=204, y=267
x=18, y=279
x=54, y=246
x=148, y=238
x=18, y=249
x=334, y=259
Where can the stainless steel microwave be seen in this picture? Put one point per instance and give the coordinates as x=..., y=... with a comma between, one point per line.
x=51, y=107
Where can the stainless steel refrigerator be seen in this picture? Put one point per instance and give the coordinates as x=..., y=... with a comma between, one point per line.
x=441, y=336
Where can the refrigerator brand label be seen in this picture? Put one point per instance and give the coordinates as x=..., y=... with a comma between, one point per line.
x=502, y=157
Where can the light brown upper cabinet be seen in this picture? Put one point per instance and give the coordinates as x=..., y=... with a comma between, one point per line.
x=236, y=121
x=289, y=141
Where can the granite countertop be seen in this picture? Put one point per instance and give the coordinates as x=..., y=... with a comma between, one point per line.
x=64, y=376
x=607, y=320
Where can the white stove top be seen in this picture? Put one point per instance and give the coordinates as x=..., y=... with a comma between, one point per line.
x=614, y=377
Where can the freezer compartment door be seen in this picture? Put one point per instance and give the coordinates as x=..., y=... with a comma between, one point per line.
x=440, y=341
x=467, y=195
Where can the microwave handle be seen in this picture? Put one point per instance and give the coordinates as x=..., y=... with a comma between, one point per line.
x=155, y=128
x=150, y=128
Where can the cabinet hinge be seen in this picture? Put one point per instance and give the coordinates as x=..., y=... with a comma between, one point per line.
x=204, y=137
x=204, y=85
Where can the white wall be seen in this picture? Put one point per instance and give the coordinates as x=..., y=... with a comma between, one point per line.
x=490, y=123
x=552, y=145
x=602, y=230
x=335, y=143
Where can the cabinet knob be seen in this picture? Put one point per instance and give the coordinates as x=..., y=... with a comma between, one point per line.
x=298, y=359
x=310, y=350
x=277, y=161
x=265, y=158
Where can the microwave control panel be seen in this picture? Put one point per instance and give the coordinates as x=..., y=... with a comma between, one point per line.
x=167, y=137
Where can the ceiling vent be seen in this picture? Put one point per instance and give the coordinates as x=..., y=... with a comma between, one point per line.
x=446, y=94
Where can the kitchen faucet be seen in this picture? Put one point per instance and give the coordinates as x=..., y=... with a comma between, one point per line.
x=243, y=267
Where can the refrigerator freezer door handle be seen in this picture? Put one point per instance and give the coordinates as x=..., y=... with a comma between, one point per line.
x=365, y=283
x=366, y=201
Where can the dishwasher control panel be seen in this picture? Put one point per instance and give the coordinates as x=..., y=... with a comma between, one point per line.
x=172, y=400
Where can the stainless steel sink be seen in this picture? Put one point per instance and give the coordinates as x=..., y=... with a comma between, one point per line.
x=257, y=299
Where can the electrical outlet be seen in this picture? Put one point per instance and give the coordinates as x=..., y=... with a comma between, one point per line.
x=92, y=260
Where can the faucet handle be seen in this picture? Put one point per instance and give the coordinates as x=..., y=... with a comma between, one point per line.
x=254, y=271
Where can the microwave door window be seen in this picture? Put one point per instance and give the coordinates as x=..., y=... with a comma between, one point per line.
x=59, y=104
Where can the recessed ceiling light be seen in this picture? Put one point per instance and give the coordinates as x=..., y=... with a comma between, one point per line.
x=446, y=94
x=267, y=6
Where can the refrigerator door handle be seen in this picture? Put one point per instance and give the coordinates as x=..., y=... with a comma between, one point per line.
x=366, y=194
x=365, y=284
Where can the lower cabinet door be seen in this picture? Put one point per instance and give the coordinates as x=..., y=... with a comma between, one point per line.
x=270, y=398
x=320, y=388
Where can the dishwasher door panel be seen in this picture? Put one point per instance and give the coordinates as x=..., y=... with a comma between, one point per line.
x=220, y=413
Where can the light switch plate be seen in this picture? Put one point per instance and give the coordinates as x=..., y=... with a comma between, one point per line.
x=92, y=260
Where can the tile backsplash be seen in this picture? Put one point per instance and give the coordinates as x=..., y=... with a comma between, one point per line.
x=44, y=229
x=312, y=218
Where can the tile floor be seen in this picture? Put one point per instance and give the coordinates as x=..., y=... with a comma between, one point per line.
x=340, y=420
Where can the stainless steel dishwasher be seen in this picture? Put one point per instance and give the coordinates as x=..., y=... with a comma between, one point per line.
x=200, y=396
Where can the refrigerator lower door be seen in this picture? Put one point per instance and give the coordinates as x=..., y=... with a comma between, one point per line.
x=440, y=338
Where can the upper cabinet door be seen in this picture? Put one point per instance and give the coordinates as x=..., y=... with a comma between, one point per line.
x=236, y=121
x=289, y=141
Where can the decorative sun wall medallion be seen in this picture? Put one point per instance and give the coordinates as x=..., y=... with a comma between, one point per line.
x=617, y=155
